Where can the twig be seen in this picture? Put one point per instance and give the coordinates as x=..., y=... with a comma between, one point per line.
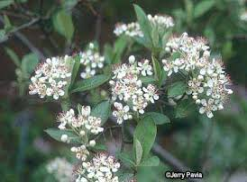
x=33, y=21
x=25, y=41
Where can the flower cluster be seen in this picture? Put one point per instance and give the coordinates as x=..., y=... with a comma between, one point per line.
x=61, y=169
x=101, y=168
x=52, y=77
x=83, y=125
x=161, y=22
x=243, y=16
x=128, y=89
x=209, y=82
x=132, y=29
x=91, y=60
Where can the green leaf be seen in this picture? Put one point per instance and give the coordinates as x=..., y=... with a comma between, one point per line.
x=184, y=109
x=126, y=177
x=69, y=4
x=63, y=24
x=7, y=24
x=98, y=147
x=147, y=79
x=158, y=118
x=5, y=3
x=3, y=36
x=202, y=7
x=90, y=83
x=119, y=47
x=145, y=133
x=75, y=69
x=13, y=56
x=102, y=110
x=138, y=151
x=126, y=159
x=56, y=134
x=144, y=24
x=29, y=63
x=22, y=1
x=151, y=161
x=159, y=72
x=177, y=89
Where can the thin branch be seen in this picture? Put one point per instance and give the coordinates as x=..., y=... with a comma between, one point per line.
x=25, y=41
x=26, y=25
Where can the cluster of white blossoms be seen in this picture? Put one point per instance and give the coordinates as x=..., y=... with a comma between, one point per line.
x=208, y=83
x=162, y=22
x=91, y=60
x=83, y=125
x=132, y=29
x=128, y=91
x=61, y=169
x=101, y=168
x=52, y=77
x=243, y=16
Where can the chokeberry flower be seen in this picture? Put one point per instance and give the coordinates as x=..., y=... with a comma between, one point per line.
x=52, y=77
x=128, y=91
x=91, y=61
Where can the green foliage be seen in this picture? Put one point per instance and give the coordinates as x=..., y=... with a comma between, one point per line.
x=202, y=7
x=113, y=54
x=147, y=79
x=144, y=134
x=184, y=109
x=14, y=57
x=126, y=159
x=90, y=83
x=63, y=24
x=145, y=26
x=177, y=89
x=5, y=3
x=102, y=110
x=151, y=161
x=56, y=134
x=29, y=63
x=157, y=118
x=138, y=151
x=159, y=72
x=76, y=67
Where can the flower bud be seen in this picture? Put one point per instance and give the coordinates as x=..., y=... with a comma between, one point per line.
x=92, y=143
x=82, y=133
x=64, y=138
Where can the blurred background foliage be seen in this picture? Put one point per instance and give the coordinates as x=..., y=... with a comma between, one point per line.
x=31, y=30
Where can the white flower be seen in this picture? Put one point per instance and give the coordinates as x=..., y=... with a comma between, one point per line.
x=92, y=143
x=51, y=77
x=145, y=68
x=101, y=168
x=128, y=91
x=61, y=169
x=209, y=82
x=81, y=152
x=132, y=30
x=64, y=138
x=243, y=16
x=162, y=22
x=84, y=122
x=150, y=93
x=91, y=60
x=121, y=113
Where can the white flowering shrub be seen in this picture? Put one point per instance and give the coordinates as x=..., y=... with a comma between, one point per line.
x=133, y=90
